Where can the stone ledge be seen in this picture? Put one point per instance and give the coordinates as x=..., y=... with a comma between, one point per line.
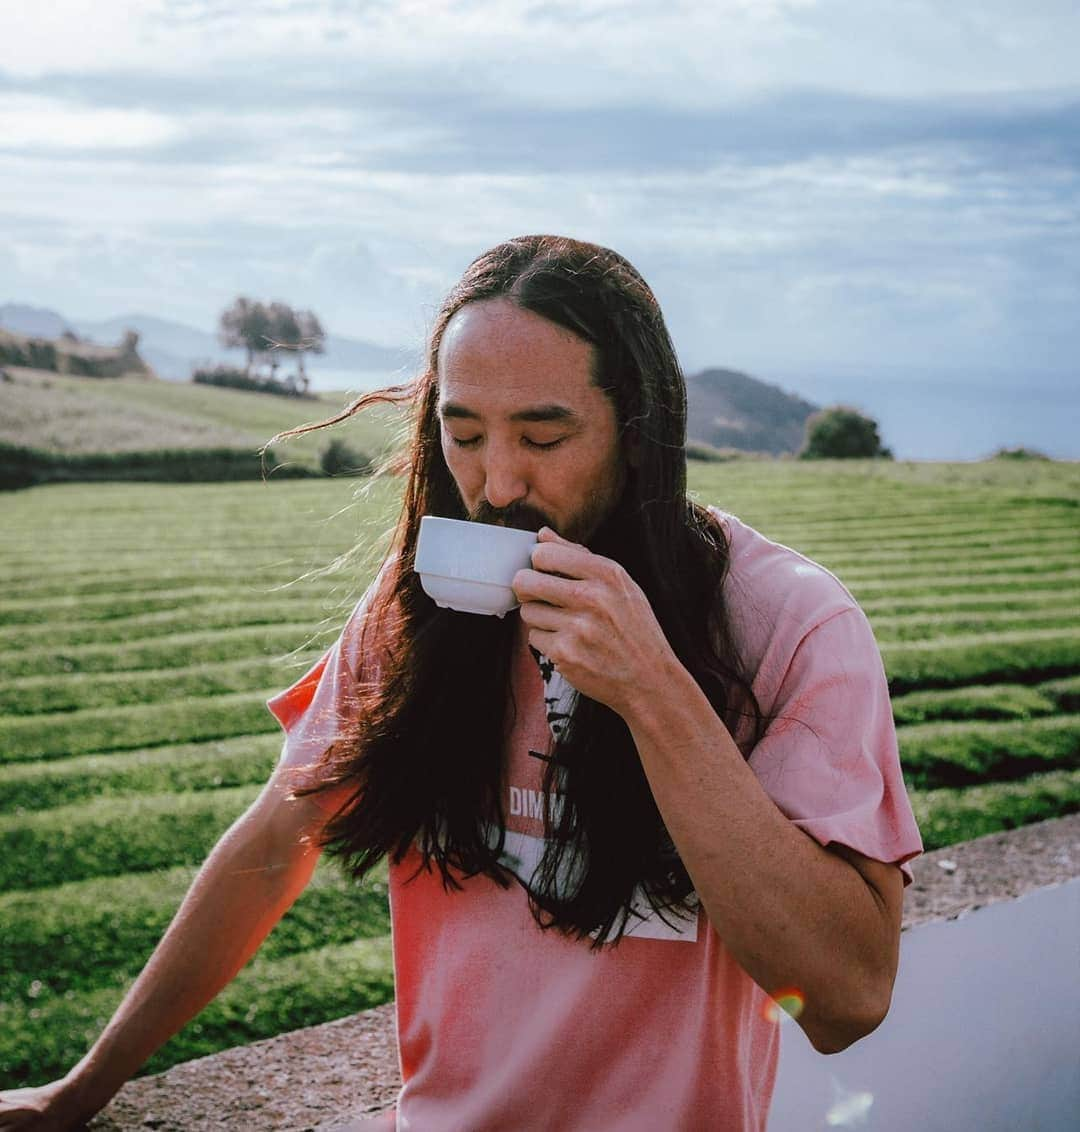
x=329, y=1077
x=323, y=1077
x=1001, y=866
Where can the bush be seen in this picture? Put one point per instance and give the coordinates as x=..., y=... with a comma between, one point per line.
x=40, y=1042
x=967, y=754
x=950, y=814
x=62, y=734
x=96, y=931
x=1066, y=692
x=842, y=433
x=25, y=467
x=339, y=459
x=70, y=692
x=232, y=378
x=1018, y=454
x=979, y=701
x=994, y=658
x=219, y=763
x=35, y=353
x=49, y=847
x=181, y=650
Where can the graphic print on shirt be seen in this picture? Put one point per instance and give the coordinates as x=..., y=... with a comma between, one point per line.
x=559, y=695
x=526, y=804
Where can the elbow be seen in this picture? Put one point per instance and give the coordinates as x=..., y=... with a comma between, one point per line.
x=844, y=1028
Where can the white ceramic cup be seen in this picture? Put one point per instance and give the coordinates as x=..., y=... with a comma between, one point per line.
x=469, y=566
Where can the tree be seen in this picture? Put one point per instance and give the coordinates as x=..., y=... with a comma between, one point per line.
x=339, y=459
x=284, y=331
x=258, y=328
x=245, y=325
x=313, y=338
x=840, y=432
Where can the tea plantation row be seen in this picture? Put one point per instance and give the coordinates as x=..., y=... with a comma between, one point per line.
x=144, y=626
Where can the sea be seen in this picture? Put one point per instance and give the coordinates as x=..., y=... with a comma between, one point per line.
x=919, y=418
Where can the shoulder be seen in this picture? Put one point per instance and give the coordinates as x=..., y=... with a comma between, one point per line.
x=771, y=588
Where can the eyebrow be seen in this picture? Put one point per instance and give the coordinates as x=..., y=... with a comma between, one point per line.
x=452, y=410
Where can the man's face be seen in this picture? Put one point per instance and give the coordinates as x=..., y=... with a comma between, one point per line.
x=527, y=436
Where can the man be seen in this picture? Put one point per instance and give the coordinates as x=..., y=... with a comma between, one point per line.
x=620, y=823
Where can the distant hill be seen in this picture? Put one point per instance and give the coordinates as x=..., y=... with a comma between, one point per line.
x=35, y=322
x=728, y=409
x=174, y=349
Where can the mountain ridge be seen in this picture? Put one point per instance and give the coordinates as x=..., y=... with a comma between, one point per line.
x=726, y=408
x=174, y=348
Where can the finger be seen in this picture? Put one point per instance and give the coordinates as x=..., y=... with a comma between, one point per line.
x=546, y=642
x=569, y=560
x=534, y=586
x=541, y=615
x=546, y=534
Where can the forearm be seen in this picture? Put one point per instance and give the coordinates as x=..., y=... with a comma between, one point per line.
x=242, y=890
x=790, y=912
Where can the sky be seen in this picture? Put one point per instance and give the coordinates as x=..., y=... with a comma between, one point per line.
x=810, y=186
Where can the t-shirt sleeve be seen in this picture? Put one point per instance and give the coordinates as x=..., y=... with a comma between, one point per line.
x=323, y=707
x=830, y=759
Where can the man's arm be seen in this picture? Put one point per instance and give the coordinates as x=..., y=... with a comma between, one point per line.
x=825, y=922
x=248, y=882
x=793, y=914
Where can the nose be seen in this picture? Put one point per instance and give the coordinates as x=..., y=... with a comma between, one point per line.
x=504, y=482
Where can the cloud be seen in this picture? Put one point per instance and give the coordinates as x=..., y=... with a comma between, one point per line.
x=589, y=53
x=802, y=182
x=31, y=123
x=436, y=132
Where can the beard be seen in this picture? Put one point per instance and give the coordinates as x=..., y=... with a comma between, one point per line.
x=605, y=529
x=519, y=516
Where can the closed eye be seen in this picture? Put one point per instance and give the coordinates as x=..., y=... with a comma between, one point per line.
x=474, y=441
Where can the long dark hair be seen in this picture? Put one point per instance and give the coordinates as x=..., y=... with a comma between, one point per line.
x=425, y=757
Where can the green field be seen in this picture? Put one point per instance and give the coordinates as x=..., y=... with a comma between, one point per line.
x=144, y=626
x=64, y=414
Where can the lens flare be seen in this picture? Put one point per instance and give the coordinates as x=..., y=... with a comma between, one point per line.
x=849, y=1109
x=787, y=1003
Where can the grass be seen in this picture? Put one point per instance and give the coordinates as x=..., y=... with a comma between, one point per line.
x=111, y=836
x=987, y=658
x=204, y=616
x=268, y=997
x=979, y=701
x=62, y=734
x=950, y=814
x=144, y=625
x=41, y=785
x=74, y=930
x=67, y=414
x=965, y=753
x=283, y=642
x=36, y=695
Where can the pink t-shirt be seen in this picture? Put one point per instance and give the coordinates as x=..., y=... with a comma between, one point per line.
x=504, y=1026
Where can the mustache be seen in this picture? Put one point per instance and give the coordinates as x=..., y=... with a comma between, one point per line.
x=519, y=516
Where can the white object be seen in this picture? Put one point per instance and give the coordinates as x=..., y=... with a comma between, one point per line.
x=469, y=566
